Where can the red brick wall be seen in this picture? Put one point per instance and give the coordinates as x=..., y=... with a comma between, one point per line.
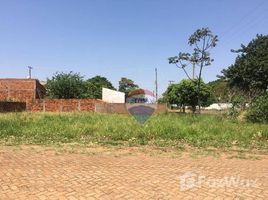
x=161, y=108
x=20, y=90
x=63, y=105
x=12, y=106
x=121, y=108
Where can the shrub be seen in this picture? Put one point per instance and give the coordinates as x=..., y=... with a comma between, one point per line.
x=258, y=110
x=65, y=85
x=237, y=102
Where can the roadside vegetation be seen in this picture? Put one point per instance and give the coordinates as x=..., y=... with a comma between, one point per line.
x=166, y=130
x=244, y=84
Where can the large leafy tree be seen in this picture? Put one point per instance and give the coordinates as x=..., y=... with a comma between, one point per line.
x=94, y=87
x=126, y=85
x=220, y=90
x=65, y=85
x=185, y=93
x=202, y=41
x=249, y=73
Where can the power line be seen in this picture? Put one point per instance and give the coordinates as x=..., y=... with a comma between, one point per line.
x=249, y=13
x=241, y=27
x=245, y=28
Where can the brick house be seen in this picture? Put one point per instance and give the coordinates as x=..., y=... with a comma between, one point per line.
x=21, y=90
x=31, y=92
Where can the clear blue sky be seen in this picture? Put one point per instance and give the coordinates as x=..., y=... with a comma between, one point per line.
x=120, y=38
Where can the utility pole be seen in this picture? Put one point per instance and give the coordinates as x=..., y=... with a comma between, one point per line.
x=156, y=85
x=30, y=72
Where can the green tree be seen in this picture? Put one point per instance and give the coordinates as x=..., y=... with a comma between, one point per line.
x=126, y=85
x=94, y=87
x=258, y=110
x=249, y=73
x=185, y=93
x=203, y=40
x=162, y=99
x=220, y=90
x=65, y=85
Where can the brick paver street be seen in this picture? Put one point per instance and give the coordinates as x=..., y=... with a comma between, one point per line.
x=26, y=174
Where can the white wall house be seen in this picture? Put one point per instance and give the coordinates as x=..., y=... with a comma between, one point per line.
x=219, y=106
x=112, y=96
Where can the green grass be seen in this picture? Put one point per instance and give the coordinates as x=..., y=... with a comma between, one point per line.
x=174, y=130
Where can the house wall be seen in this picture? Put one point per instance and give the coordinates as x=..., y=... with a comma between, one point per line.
x=20, y=90
x=112, y=96
x=40, y=90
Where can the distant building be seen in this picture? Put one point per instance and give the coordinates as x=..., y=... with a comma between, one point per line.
x=21, y=90
x=219, y=106
x=112, y=96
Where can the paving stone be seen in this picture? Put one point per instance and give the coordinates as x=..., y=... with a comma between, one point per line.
x=33, y=175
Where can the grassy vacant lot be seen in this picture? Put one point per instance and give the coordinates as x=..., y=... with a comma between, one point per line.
x=174, y=130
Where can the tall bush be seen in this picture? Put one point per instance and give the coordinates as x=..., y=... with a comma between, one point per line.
x=258, y=110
